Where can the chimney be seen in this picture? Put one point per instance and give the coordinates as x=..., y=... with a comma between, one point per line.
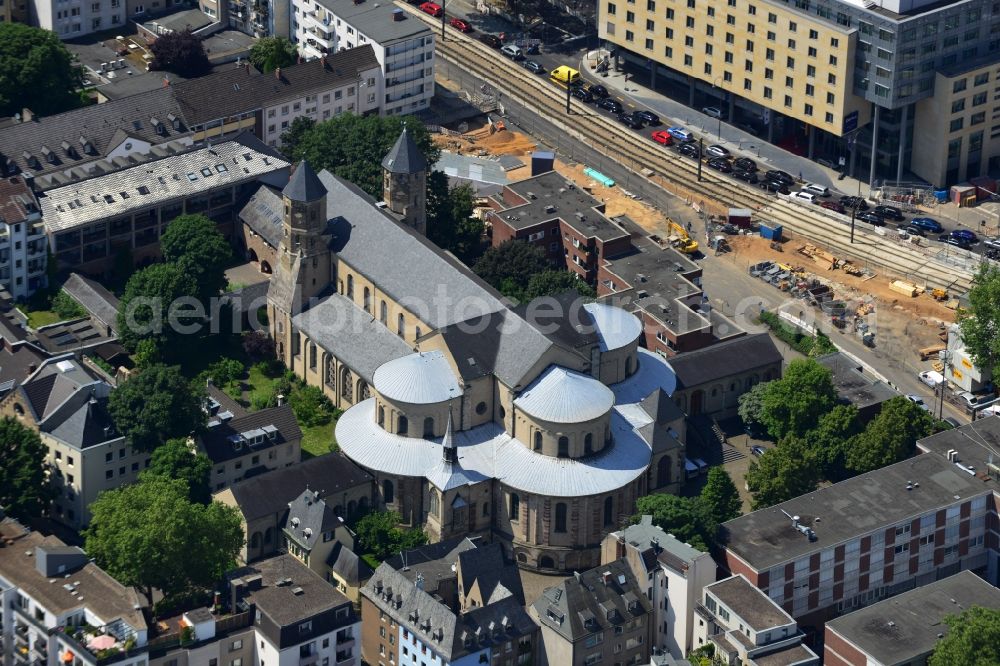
x=397, y=14
x=322, y=59
x=620, y=545
x=606, y=577
x=301, y=60
x=26, y=115
x=277, y=73
x=420, y=582
x=280, y=399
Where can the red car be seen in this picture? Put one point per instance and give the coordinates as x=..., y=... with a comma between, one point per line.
x=461, y=25
x=432, y=9
x=662, y=136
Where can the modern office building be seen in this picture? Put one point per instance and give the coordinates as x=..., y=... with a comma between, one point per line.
x=404, y=46
x=23, y=246
x=916, y=79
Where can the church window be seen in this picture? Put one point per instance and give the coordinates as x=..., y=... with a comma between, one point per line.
x=402, y=425
x=383, y=314
x=560, y=518
x=609, y=507
x=515, y=506
x=381, y=415
x=346, y=384
x=331, y=371
x=400, y=325
x=312, y=356
x=428, y=427
x=588, y=444
x=350, y=286
x=538, y=440
x=368, y=300
x=388, y=492
x=563, y=446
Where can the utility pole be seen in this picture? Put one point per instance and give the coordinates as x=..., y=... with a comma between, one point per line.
x=569, y=96
x=945, y=356
x=854, y=212
x=701, y=149
x=444, y=16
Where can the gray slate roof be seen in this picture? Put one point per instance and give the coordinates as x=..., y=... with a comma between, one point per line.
x=218, y=448
x=304, y=185
x=486, y=567
x=348, y=332
x=406, y=266
x=345, y=563
x=95, y=299
x=405, y=156
x=263, y=214
x=309, y=517
x=98, y=124
x=724, y=359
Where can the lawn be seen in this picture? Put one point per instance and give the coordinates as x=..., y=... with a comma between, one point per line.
x=39, y=318
x=260, y=383
x=318, y=440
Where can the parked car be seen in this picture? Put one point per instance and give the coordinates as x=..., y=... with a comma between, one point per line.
x=690, y=149
x=931, y=377
x=533, y=67
x=582, y=95
x=832, y=205
x=491, y=40
x=512, y=51
x=952, y=421
x=871, y=218
x=628, y=120
x=918, y=401
x=720, y=164
x=598, y=91
x=780, y=176
x=889, y=212
x=745, y=176
x=914, y=230
x=432, y=9
x=856, y=203
x=660, y=136
x=970, y=400
x=612, y=105
x=969, y=237
x=745, y=164
x=928, y=224
x=775, y=186
x=713, y=111
x=757, y=450
x=461, y=25
x=803, y=196
x=648, y=117
x=992, y=243
x=960, y=243
x=680, y=133
x=817, y=189
x=715, y=150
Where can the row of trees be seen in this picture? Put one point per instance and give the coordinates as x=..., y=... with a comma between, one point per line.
x=819, y=439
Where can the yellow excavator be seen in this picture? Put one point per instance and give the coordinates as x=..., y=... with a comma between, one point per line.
x=680, y=238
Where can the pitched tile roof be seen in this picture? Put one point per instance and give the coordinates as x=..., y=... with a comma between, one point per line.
x=17, y=200
x=242, y=89
x=216, y=442
x=264, y=214
x=724, y=359
x=95, y=299
x=345, y=563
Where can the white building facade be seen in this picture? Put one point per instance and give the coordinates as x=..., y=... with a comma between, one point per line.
x=74, y=18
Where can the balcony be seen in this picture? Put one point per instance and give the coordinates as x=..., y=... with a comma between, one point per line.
x=309, y=659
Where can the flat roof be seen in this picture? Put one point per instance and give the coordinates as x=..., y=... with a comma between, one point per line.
x=183, y=175
x=757, y=609
x=789, y=656
x=374, y=20
x=850, y=509
x=976, y=443
x=307, y=595
x=906, y=627
x=551, y=196
x=853, y=385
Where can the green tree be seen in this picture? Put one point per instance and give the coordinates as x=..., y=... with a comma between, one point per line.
x=146, y=305
x=224, y=372
x=510, y=265
x=889, y=437
x=378, y=533
x=297, y=130
x=981, y=322
x=155, y=405
x=450, y=224
x=353, y=146
x=751, y=409
x=67, y=308
x=194, y=243
x=270, y=53
x=555, y=282
x=37, y=72
x=719, y=496
x=684, y=517
x=176, y=460
x=24, y=488
x=783, y=472
x=972, y=639
x=831, y=440
x=151, y=536
x=311, y=406
x=794, y=403
x=180, y=52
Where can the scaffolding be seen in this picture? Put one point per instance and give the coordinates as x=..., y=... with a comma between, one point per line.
x=908, y=196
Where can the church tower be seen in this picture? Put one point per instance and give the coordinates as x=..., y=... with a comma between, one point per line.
x=404, y=183
x=304, y=263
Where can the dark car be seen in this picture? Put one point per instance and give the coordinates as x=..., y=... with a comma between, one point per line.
x=490, y=40
x=927, y=224
x=871, y=218
x=832, y=205
x=720, y=164
x=628, y=120
x=969, y=237
x=889, y=212
x=757, y=450
x=744, y=164
x=914, y=230
x=612, y=105
x=648, y=117
x=583, y=95
x=598, y=90
x=746, y=176
x=689, y=149
x=780, y=176
x=533, y=67
x=856, y=203
x=774, y=186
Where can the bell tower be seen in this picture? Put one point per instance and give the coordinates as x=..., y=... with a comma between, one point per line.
x=404, y=183
x=303, y=268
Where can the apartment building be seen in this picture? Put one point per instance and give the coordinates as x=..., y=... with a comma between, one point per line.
x=403, y=45
x=672, y=574
x=812, y=73
x=14, y=11
x=259, y=18
x=599, y=616
x=746, y=627
x=67, y=404
x=58, y=608
x=70, y=19
x=455, y=602
x=904, y=630
x=89, y=221
x=224, y=104
x=23, y=247
x=878, y=534
x=245, y=445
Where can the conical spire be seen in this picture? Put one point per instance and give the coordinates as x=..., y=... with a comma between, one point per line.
x=405, y=156
x=449, y=449
x=304, y=185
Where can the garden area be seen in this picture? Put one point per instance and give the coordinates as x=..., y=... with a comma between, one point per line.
x=50, y=306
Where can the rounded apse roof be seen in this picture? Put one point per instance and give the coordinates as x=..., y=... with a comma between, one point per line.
x=420, y=379
x=560, y=395
x=615, y=327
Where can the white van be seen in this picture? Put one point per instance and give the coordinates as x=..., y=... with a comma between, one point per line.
x=817, y=189
x=512, y=51
x=807, y=197
x=931, y=378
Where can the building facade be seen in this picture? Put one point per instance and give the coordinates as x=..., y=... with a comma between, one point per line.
x=23, y=246
x=814, y=73
x=76, y=19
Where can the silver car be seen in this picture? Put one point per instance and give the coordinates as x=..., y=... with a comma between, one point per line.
x=712, y=111
x=715, y=150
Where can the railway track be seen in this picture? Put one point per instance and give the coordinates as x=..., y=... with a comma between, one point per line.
x=826, y=228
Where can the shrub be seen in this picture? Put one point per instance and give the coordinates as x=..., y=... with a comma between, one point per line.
x=311, y=406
